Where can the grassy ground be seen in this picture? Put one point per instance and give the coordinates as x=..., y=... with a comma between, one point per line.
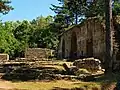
x=45, y=85
x=100, y=83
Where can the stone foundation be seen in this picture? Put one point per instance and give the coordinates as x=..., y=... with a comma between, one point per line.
x=88, y=63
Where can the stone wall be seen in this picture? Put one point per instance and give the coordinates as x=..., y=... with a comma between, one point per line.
x=4, y=57
x=90, y=37
x=37, y=53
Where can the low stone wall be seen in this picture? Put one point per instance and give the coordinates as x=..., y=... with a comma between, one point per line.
x=4, y=57
x=88, y=63
x=37, y=53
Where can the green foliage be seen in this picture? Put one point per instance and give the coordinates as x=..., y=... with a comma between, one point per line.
x=116, y=9
x=43, y=33
x=15, y=37
x=95, y=9
x=76, y=8
x=5, y=7
x=70, y=11
x=81, y=9
x=64, y=16
x=8, y=42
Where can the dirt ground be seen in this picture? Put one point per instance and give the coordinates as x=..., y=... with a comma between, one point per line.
x=6, y=85
x=43, y=85
x=53, y=85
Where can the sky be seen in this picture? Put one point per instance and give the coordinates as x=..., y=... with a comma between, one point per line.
x=29, y=9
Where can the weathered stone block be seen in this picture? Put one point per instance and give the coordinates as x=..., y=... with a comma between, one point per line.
x=4, y=57
x=88, y=63
x=37, y=53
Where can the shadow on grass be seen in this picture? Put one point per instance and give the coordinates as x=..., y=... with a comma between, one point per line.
x=103, y=82
x=42, y=73
x=28, y=74
x=106, y=82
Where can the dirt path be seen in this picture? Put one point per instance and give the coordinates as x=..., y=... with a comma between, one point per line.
x=6, y=85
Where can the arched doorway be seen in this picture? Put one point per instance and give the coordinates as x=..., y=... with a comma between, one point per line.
x=73, y=53
x=89, y=47
x=63, y=48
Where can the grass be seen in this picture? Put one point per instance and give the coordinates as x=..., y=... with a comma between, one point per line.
x=52, y=84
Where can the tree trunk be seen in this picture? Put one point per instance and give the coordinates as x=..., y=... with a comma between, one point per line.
x=109, y=46
x=76, y=18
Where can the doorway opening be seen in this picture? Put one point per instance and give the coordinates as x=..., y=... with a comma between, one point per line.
x=89, y=46
x=73, y=53
x=63, y=49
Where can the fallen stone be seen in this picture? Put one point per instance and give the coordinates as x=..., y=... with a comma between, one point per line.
x=90, y=64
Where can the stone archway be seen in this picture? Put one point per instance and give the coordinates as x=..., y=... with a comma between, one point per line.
x=73, y=53
x=63, y=48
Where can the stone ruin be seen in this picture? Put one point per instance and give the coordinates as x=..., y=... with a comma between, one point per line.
x=4, y=57
x=91, y=64
x=38, y=53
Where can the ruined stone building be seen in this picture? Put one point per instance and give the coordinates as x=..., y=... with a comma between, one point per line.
x=86, y=39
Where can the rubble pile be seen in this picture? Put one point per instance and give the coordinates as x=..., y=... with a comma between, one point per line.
x=91, y=64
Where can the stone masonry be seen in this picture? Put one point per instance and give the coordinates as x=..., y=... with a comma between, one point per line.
x=4, y=57
x=37, y=53
x=88, y=63
x=84, y=40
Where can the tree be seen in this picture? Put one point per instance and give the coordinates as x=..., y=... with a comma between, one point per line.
x=116, y=8
x=109, y=46
x=5, y=7
x=83, y=9
x=9, y=43
x=22, y=34
x=44, y=34
x=76, y=8
x=64, y=17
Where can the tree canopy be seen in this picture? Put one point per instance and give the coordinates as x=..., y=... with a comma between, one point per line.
x=5, y=6
x=81, y=9
x=16, y=36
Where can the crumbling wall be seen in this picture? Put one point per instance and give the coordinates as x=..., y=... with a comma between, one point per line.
x=4, y=57
x=81, y=40
x=91, y=32
x=37, y=53
x=98, y=40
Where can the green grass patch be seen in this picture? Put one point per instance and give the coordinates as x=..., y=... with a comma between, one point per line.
x=53, y=84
